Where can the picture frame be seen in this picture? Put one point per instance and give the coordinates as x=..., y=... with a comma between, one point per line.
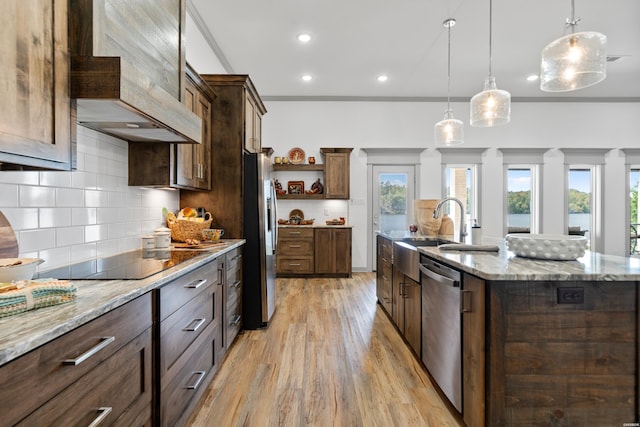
x=295, y=187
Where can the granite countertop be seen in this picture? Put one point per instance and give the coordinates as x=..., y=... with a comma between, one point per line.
x=504, y=265
x=407, y=235
x=24, y=332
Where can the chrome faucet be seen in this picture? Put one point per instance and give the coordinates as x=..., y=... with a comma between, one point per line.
x=463, y=226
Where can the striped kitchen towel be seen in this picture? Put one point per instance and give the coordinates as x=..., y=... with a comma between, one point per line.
x=28, y=295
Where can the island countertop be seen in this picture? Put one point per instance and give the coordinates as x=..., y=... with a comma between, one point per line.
x=24, y=332
x=505, y=265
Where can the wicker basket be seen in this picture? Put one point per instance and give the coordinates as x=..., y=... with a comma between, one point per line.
x=181, y=229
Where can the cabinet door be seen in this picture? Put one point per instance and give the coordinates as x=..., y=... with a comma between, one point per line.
x=36, y=128
x=412, y=314
x=342, y=250
x=324, y=251
x=192, y=160
x=397, y=304
x=336, y=175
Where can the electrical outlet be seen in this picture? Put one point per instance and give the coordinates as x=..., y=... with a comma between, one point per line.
x=570, y=295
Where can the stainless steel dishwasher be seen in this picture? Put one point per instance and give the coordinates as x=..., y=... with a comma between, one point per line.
x=441, y=327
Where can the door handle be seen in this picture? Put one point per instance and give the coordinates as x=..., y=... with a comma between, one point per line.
x=466, y=302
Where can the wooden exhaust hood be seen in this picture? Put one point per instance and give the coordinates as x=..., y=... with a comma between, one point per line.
x=128, y=67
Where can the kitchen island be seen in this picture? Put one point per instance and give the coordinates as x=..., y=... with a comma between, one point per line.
x=545, y=342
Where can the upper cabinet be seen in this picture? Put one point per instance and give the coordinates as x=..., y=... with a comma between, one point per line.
x=128, y=69
x=36, y=126
x=335, y=170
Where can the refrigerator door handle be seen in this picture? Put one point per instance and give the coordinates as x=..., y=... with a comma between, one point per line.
x=273, y=217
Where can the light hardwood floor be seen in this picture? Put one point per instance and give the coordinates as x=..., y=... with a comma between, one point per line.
x=330, y=357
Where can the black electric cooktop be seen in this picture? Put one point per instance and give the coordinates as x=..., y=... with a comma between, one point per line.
x=132, y=265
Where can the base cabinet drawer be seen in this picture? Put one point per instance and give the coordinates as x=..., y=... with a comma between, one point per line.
x=33, y=379
x=290, y=265
x=116, y=392
x=190, y=381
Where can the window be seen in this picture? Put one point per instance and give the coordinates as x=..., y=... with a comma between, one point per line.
x=580, y=201
x=634, y=223
x=522, y=199
x=461, y=183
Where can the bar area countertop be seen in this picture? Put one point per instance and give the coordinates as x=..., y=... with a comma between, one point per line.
x=505, y=265
x=24, y=332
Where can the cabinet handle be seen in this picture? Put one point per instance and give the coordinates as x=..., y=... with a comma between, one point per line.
x=199, y=323
x=294, y=264
x=294, y=232
x=295, y=246
x=465, y=302
x=235, y=321
x=201, y=375
x=236, y=284
x=401, y=289
x=92, y=351
x=386, y=299
x=196, y=284
x=103, y=412
x=239, y=256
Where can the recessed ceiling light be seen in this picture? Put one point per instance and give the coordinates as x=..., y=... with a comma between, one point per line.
x=382, y=78
x=532, y=77
x=304, y=38
x=306, y=77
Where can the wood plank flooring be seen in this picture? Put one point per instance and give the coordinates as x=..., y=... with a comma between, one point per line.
x=330, y=357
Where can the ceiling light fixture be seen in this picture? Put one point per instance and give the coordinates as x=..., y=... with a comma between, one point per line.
x=382, y=78
x=448, y=131
x=306, y=77
x=304, y=38
x=532, y=77
x=574, y=61
x=492, y=106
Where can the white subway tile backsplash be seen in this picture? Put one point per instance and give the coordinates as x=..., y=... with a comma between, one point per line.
x=84, y=216
x=69, y=197
x=55, y=217
x=32, y=196
x=21, y=218
x=67, y=236
x=65, y=217
x=36, y=240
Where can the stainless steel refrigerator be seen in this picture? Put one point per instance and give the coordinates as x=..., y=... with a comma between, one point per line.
x=260, y=232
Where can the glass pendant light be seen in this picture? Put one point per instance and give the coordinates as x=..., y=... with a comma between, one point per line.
x=448, y=131
x=574, y=61
x=492, y=106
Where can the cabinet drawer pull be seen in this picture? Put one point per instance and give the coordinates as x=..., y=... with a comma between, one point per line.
x=291, y=264
x=295, y=246
x=239, y=256
x=294, y=232
x=103, y=412
x=386, y=299
x=196, y=284
x=236, y=284
x=201, y=375
x=235, y=321
x=105, y=341
x=199, y=322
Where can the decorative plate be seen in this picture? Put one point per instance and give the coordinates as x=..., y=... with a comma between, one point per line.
x=297, y=213
x=296, y=155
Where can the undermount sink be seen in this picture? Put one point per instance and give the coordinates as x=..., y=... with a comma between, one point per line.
x=547, y=246
x=424, y=241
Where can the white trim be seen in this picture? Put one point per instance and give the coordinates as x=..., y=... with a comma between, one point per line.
x=393, y=156
x=523, y=156
x=584, y=156
x=467, y=156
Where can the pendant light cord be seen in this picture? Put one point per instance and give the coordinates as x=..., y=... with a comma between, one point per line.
x=449, y=68
x=573, y=21
x=490, y=33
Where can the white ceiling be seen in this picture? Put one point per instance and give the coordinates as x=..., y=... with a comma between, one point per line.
x=355, y=40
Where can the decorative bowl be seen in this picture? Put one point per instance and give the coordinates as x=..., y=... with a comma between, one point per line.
x=547, y=246
x=16, y=269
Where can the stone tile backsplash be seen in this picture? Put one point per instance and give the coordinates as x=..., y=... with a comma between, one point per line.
x=65, y=217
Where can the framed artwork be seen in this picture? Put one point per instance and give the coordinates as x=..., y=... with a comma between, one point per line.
x=295, y=187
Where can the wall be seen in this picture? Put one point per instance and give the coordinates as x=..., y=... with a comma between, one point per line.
x=65, y=217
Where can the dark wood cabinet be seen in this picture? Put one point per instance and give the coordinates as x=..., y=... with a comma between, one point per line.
x=384, y=273
x=332, y=251
x=232, y=296
x=99, y=371
x=473, y=350
x=184, y=166
x=37, y=121
x=334, y=172
x=295, y=251
x=225, y=200
x=188, y=321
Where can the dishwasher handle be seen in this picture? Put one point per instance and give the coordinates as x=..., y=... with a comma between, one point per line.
x=438, y=277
